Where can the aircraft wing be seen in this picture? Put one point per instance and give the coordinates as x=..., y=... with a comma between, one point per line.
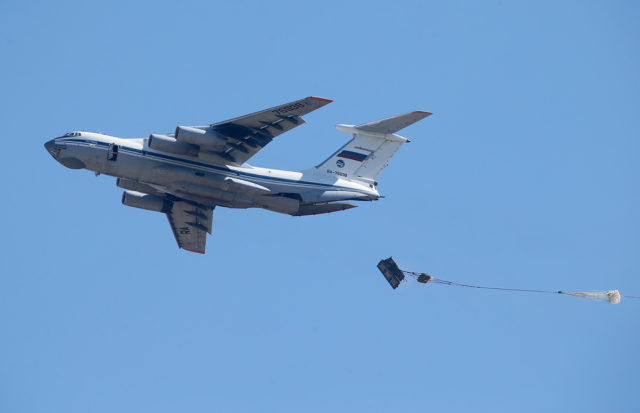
x=190, y=224
x=246, y=135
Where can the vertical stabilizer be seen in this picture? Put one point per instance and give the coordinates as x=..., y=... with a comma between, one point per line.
x=372, y=147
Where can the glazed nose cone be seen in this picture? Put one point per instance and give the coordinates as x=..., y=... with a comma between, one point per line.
x=50, y=146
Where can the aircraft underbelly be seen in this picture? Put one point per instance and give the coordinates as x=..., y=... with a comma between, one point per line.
x=208, y=187
x=223, y=186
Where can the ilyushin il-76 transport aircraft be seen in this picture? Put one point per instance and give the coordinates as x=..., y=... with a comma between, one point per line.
x=186, y=174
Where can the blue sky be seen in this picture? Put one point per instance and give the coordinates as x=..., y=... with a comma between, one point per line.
x=525, y=176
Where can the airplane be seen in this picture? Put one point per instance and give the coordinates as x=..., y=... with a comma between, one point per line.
x=186, y=174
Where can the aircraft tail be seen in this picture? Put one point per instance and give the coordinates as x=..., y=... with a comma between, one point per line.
x=372, y=147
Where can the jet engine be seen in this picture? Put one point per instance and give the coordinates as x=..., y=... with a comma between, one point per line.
x=168, y=144
x=196, y=136
x=146, y=201
x=138, y=187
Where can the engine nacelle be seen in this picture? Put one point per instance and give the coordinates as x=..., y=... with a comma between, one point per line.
x=205, y=138
x=137, y=187
x=168, y=144
x=146, y=201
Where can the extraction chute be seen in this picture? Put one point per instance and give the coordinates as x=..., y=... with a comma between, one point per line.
x=395, y=276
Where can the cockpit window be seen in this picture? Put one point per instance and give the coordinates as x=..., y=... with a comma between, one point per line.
x=71, y=134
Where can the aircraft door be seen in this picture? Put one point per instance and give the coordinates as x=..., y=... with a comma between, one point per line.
x=112, y=153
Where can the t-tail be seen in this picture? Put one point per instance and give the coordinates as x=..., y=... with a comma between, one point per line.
x=372, y=147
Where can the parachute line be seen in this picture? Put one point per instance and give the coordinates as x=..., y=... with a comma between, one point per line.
x=612, y=296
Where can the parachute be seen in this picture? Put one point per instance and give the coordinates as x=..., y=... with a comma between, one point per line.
x=395, y=276
x=613, y=296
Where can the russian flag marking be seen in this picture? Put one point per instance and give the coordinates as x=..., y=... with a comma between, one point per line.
x=352, y=155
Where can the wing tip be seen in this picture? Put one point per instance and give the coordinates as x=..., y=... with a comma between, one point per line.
x=320, y=99
x=422, y=111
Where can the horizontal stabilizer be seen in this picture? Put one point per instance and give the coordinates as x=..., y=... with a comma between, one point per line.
x=393, y=124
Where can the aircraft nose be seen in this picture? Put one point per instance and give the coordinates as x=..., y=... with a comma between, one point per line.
x=50, y=146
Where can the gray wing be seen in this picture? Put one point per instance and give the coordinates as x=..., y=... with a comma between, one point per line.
x=246, y=135
x=190, y=224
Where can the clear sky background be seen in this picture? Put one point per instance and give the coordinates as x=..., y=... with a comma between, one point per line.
x=525, y=176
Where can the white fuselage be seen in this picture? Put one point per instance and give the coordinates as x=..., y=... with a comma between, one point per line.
x=199, y=179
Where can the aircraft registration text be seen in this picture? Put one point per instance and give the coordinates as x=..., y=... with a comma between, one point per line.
x=330, y=171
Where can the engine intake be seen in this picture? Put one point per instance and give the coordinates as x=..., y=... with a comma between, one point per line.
x=146, y=201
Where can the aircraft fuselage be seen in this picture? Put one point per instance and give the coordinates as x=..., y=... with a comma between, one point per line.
x=211, y=184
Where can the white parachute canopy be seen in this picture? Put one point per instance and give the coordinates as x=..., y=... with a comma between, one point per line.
x=613, y=296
